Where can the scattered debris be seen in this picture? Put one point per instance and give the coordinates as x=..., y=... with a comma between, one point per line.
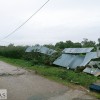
x=93, y=71
x=94, y=64
x=73, y=58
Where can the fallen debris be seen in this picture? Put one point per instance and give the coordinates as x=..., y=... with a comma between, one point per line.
x=93, y=71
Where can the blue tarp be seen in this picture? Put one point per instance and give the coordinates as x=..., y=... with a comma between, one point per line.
x=95, y=87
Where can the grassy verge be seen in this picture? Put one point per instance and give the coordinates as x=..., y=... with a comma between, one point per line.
x=67, y=77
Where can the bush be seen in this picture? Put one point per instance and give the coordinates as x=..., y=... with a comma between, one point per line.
x=12, y=51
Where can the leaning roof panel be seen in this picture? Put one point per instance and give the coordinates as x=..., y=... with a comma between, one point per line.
x=64, y=60
x=76, y=62
x=89, y=56
x=77, y=50
x=69, y=61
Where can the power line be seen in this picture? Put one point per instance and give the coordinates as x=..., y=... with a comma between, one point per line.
x=25, y=21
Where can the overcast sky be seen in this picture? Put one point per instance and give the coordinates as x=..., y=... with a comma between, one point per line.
x=59, y=20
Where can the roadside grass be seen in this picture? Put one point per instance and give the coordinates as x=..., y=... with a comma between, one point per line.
x=62, y=75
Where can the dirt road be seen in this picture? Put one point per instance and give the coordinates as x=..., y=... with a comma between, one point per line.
x=23, y=85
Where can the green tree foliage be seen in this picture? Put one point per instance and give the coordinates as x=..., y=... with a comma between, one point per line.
x=38, y=58
x=51, y=46
x=99, y=41
x=88, y=43
x=68, y=44
x=60, y=45
x=77, y=45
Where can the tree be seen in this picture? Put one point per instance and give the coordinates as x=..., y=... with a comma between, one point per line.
x=11, y=45
x=69, y=44
x=77, y=45
x=88, y=43
x=51, y=46
x=99, y=41
x=60, y=45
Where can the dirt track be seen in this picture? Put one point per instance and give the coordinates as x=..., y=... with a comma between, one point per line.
x=23, y=85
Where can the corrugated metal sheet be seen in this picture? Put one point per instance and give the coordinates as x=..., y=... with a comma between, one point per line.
x=33, y=48
x=76, y=62
x=29, y=49
x=88, y=57
x=77, y=50
x=64, y=60
x=97, y=63
x=93, y=71
x=72, y=61
x=40, y=49
x=46, y=50
x=69, y=61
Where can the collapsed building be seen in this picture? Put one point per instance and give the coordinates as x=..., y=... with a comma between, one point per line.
x=93, y=68
x=73, y=58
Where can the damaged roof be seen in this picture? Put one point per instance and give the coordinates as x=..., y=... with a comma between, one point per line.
x=69, y=61
x=95, y=63
x=74, y=61
x=41, y=49
x=93, y=71
x=77, y=50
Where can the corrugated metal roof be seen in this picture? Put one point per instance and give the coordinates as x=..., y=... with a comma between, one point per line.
x=77, y=50
x=88, y=57
x=93, y=71
x=40, y=49
x=69, y=61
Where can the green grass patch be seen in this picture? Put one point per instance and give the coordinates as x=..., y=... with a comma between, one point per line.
x=58, y=74
x=16, y=62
